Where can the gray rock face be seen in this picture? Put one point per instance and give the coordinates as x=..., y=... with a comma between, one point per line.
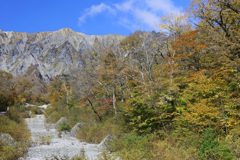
x=52, y=53
x=60, y=121
x=7, y=140
x=105, y=142
x=74, y=130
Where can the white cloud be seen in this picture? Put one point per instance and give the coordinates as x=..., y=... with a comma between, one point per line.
x=94, y=10
x=147, y=18
x=164, y=6
x=129, y=24
x=125, y=6
x=134, y=14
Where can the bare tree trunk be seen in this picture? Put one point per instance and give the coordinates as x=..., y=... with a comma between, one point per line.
x=123, y=97
x=66, y=92
x=94, y=110
x=114, y=102
x=226, y=130
x=103, y=87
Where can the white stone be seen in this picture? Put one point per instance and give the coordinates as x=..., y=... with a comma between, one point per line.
x=60, y=147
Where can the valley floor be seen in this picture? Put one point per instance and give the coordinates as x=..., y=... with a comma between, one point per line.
x=47, y=144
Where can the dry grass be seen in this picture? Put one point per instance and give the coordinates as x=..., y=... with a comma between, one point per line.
x=166, y=150
x=95, y=133
x=15, y=127
x=233, y=140
x=45, y=140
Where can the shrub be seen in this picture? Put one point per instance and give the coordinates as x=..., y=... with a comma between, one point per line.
x=63, y=126
x=14, y=114
x=36, y=110
x=81, y=155
x=45, y=139
x=14, y=126
x=55, y=116
x=95, y=133
x=212, y=149
x=9, y=153
x=233, y=140
x=133, y=146
x=176, y=146
x=16, y=130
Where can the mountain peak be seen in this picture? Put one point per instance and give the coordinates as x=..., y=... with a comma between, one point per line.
x=48, y=54
x=66, y=30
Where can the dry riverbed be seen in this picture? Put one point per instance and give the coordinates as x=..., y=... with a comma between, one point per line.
x=47, y=144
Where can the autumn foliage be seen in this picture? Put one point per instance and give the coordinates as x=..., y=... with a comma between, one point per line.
x=178, y=89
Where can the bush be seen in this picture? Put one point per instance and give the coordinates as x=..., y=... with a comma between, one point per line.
x=133, y=146
x=14, y=126
x=36, y=110
x=233, y=140
x=16, y=130
x=14, y=114
x=45, y=139
x=97, y=132
x=212, y=149
x=176, y=145
x=55, y=112
x=54, y=117
x=77, y=114
x=9, y=153
x=63, y=126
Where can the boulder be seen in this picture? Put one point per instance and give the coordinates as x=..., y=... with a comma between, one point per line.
x=74, y=130
x=61, y=120
x=29, y=105
x=7, y=139
x=2, y=113
x=44, y=106
x=105, y=142
x=29, y=112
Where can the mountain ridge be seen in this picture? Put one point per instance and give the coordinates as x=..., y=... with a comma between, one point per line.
x=52, y=52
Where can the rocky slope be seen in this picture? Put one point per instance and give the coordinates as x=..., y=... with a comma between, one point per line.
x=48, y=53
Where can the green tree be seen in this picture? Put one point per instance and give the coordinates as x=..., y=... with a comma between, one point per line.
x=211, y=149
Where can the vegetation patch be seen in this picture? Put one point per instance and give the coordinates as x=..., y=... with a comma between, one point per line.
x=63, y=126
x=12, y=124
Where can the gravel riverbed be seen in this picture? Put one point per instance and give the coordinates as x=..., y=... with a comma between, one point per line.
x=47, y=144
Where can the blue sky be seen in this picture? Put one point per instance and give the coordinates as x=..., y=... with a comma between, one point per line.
x=87, y=16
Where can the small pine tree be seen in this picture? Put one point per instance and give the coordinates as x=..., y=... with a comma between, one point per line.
x=211, y=149
x=209, y=143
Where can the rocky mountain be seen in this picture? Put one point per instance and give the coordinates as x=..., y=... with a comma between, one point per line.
x=48, y=53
